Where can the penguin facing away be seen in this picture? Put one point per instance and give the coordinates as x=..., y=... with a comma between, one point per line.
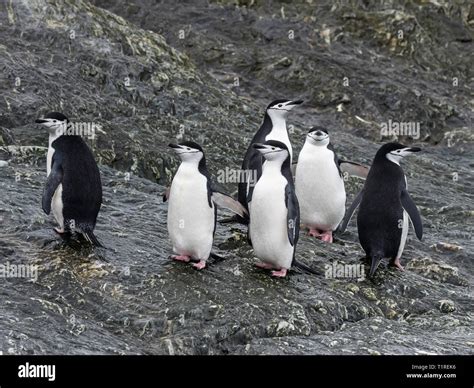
x=73, y=188
x=272, y=128
x=192, y=210
x=320, y=185
x=385, y=207
x=275, y=220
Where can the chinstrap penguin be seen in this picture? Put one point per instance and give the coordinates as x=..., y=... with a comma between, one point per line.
x=73, y=188
x=319, y=183
x=275, y=219
x=192, y=210
x=272, y=128
x=384, y=208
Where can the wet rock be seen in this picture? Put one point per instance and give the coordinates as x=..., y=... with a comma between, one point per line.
x=446, y=306
x=431, y=269
x=296, y=324
x=146, y=91
x=446, y=247
x=400, y=44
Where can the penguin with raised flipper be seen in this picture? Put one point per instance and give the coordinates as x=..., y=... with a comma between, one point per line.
x=192, y=210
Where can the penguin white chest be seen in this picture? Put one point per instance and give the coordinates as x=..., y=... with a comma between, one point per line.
x=190, y=218
x=57, y=200
x=268, y=223
x=319, y=188
x=49, y=159
x=57, y=206
x=404, y=235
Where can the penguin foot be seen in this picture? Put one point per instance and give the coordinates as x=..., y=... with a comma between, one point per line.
x=185, y=259
x=264, y=265
x=280, y=274
x=323, y=236
x=64, y=234
x=314, y=232
x=326, y=236
x=396, y=263
x=200, y=265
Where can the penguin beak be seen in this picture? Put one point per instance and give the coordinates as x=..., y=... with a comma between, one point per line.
x=414, y=149
x=262, y=148
x=41, y=121
x=176, y=148
x=259, y=146
x=297, y=102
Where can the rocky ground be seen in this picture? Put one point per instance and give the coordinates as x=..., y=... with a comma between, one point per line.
x=145, y=87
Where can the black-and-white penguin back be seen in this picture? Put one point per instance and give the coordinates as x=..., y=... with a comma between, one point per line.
x=81, y=184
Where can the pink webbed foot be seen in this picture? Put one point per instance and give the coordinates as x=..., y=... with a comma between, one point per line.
x=200, y=265
x=327, y=236
x=264, y=265
x=314, y=232
x=280, y=274
x=396, y=263
x=183, y=258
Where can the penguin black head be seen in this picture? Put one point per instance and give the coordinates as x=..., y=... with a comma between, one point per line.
x=280, y=108
x=188, y=151
x=272, y=150
x=53, y=121
x=395, y=152
x=318, y=136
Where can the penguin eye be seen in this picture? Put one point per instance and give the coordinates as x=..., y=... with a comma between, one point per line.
x=189, y=149
x=273, y=148
x=280, y=105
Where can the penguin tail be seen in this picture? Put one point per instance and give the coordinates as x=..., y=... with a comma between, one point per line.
x=374, y=263
x=304, y=267
x=89, y=236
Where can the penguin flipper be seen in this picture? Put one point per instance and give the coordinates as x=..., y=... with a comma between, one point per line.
x=293, y=217
x=227, y=202
x=351, y=211
x=353, y=169
x=413, y=213
x=54, y=179
x=254, y=167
